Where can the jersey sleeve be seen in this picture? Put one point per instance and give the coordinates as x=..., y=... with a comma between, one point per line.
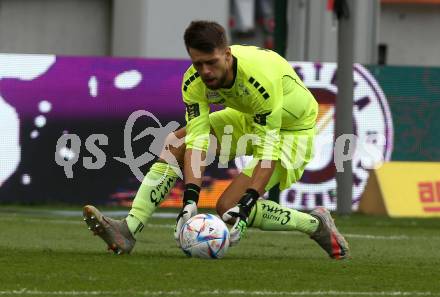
x=267, y=119
x=197, y=116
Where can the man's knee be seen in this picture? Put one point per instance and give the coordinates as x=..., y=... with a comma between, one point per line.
x=174, y=145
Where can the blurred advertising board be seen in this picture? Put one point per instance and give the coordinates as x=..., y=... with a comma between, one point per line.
x=403, y=189
x=43, y=97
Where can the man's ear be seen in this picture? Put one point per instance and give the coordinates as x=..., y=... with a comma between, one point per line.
x=228, y=53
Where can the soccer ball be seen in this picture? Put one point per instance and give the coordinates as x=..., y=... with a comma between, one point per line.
x=204, y=236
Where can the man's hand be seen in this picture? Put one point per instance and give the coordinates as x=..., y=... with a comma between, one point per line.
x=239, y=228
x=240, y=214
x=188, y=211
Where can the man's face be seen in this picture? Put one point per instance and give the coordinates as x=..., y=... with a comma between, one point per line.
x=213, y=67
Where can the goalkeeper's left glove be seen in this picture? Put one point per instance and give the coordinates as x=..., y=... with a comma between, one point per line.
x=240, y=213
x=189, y=209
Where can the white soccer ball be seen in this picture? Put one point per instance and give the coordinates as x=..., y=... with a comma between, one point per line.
x=204, y=236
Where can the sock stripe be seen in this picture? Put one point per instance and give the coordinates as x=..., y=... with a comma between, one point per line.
x=139, y=228
x=197, y=192
x=163, y=167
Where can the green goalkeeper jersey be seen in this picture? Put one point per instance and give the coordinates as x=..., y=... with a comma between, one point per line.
x=265, y=88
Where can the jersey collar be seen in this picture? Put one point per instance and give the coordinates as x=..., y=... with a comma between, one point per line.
x=234, y=69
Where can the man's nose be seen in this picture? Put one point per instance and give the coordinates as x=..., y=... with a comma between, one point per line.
x=206, y=70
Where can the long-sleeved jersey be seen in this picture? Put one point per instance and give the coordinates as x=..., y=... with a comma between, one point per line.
x=265, y=88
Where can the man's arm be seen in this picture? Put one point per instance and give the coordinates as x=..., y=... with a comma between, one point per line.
x=197, y=142
x=267, y=107
x=193, y=170
x=193, y=166
x=240, y=213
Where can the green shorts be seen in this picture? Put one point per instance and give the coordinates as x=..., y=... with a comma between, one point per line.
x=229, y=126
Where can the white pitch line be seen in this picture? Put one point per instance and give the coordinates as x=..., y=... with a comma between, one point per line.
x=369, y=236
x=194, y=292
x=171, y=226
x=77, y=213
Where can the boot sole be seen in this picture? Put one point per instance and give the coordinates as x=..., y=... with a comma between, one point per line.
x=94, y=220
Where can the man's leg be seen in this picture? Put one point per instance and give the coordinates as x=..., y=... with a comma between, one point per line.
x=157, y=182
x=266, y=215
x=270, y=216
x=231, y=196
x=120, y=234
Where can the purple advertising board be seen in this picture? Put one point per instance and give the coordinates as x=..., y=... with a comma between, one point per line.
x=43, y=97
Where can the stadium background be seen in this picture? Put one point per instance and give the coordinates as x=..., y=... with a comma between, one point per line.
x=90, y=95
x=83, y=66
x=95, y=95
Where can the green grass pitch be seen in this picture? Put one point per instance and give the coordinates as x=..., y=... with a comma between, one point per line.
x=43, y=254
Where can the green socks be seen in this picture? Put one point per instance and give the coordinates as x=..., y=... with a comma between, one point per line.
x=134, y=225
x=153, y=190
x=265, y=215
x=270, y=216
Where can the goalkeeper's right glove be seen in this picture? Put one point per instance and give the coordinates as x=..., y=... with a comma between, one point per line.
x=189, y=209
x=240, y=213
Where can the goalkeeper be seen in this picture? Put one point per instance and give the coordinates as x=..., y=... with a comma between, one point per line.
x=269, y=114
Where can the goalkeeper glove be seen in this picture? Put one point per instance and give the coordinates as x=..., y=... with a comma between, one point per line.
x=189, y=209
x=240, y=213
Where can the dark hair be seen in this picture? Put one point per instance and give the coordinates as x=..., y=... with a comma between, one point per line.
x=205, y=36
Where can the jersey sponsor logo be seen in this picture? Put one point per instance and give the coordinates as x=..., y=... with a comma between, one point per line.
x=192, y=111
x=261, y=118
x=214, y=97
x=372, y=127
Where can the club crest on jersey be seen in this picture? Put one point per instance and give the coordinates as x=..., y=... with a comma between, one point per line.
x=372, y=125
x=213, y=95
x=242, y=90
